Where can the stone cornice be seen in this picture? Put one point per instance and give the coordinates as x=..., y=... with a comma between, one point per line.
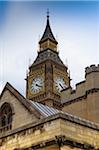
x=40, y=123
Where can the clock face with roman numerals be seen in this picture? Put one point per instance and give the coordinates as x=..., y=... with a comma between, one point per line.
x=59, y=84
x=37, y=85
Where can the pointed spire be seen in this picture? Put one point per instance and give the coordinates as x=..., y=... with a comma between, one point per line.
x=48, y=33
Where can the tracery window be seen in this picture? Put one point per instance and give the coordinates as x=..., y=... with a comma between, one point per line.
x=5, y=117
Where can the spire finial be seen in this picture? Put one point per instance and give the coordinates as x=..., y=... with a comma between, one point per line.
x=47, y=13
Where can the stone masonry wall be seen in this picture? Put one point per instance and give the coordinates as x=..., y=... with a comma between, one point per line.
x=50, y=130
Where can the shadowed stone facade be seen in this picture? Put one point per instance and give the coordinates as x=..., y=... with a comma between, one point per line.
x=84, y=100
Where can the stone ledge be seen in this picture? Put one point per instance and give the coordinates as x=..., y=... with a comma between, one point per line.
x=60, y=115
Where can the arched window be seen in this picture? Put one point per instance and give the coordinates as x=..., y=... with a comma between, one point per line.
x=5, y=116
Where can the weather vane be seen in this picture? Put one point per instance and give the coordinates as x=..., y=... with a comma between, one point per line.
x=47, y=13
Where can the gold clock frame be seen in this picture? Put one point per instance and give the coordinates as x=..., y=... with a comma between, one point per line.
x=40, y=73
x=58, y=73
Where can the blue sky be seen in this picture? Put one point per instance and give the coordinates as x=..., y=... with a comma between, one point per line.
x=75, y=24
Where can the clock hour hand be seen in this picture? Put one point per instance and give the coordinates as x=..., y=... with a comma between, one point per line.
x=38, y=85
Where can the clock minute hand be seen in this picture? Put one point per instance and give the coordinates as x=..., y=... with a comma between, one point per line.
x=61, y=86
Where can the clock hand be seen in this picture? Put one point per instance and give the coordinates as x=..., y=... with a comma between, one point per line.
x=38, y=85
x=61, y=86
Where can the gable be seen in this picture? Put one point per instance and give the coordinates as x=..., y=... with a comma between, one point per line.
x=20, y=114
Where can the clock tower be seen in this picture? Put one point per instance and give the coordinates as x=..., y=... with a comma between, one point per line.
x=48, y=75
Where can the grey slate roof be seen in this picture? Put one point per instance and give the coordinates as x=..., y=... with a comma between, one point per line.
x=44, y=109
x=47, y=54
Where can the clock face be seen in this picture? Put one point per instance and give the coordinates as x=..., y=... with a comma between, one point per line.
x=37, y=85
x=59, y=83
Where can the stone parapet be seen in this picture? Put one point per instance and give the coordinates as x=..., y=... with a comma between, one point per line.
x=91, y=83
x=92, y=68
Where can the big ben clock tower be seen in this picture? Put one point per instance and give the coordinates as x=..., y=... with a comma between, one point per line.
x=47, y=75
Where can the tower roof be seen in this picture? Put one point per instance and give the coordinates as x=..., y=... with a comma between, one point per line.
x=48, y=32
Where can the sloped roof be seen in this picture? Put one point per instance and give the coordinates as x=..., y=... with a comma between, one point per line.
x=44, y=109
x=48, y=33
x=18, y=95
x=48, y=54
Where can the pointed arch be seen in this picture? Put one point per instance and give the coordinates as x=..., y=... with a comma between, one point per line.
x=6, y=113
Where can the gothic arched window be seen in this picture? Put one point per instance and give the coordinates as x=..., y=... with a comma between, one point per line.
x=5, y=116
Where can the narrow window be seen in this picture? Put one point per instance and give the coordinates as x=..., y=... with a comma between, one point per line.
x=5, y=117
